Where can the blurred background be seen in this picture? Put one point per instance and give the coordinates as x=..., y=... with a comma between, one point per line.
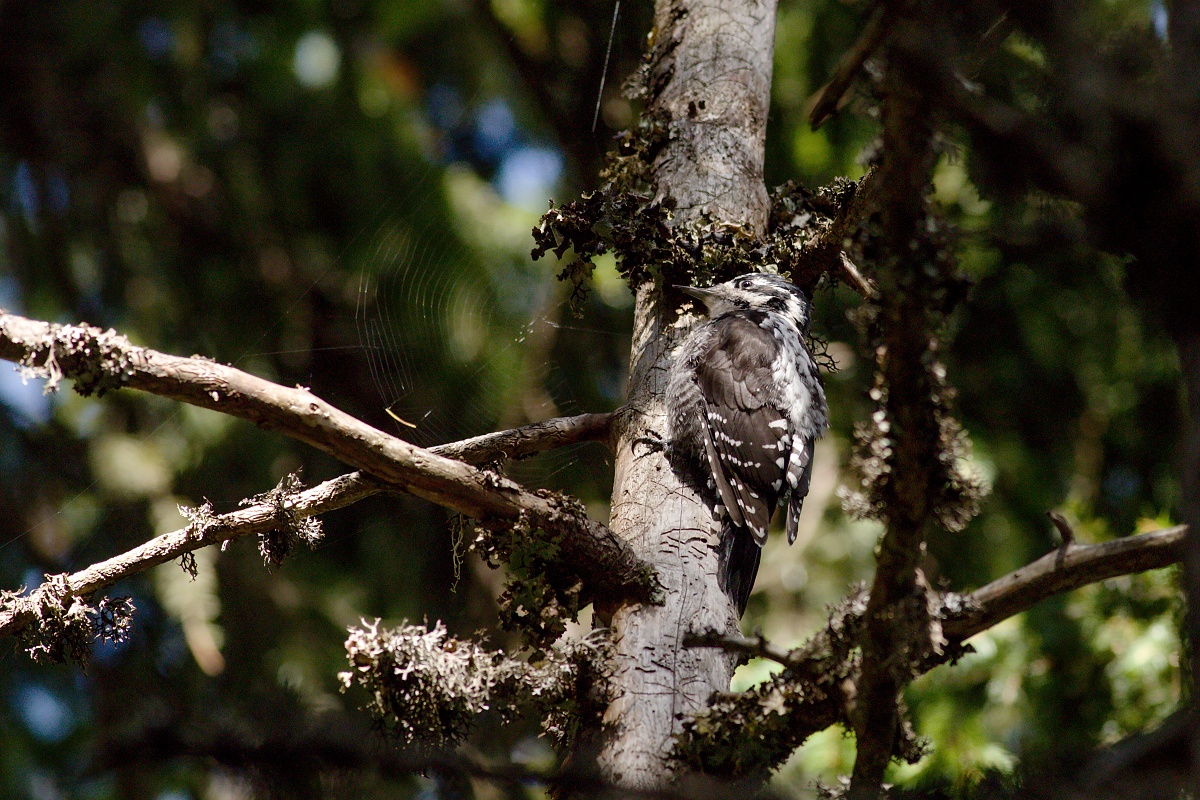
x=340, y=194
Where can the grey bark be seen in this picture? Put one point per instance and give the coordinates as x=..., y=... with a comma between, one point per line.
x=709, y=81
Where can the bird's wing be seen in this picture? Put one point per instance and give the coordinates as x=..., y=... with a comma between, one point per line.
x=747, y=438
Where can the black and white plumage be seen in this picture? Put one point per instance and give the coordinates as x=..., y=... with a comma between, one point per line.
x=745, y=407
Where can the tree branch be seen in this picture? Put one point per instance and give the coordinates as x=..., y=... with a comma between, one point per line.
x=896, y=626
x=99, y=360
x=826, y=253
x=206, y=529
x=331, y=495
x=751, y=646
x=1059, y=571
x=1063, y=570
x=531, y=439
x=819, y=683
x=828, y=98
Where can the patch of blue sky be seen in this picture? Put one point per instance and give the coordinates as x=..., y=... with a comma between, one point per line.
x=528, y=175
x=495, y=131
x=44, y=713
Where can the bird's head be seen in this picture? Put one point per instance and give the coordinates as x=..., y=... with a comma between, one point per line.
x=756, y=291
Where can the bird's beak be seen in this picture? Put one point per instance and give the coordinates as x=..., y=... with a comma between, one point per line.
x=708, y=296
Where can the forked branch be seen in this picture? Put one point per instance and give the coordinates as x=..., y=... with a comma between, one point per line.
x=101, y=360
x=753, y=732
x=258, y=518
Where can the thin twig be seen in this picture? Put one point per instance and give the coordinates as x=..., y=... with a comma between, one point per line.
x=753, y=646
x=604, y=72
x=855, y=278
x=1066, y=533
x=215, y=529
x=531, y=439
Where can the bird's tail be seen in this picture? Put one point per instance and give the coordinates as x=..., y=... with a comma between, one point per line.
x=740, y=555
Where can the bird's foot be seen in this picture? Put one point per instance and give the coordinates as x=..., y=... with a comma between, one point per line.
x=653, y=441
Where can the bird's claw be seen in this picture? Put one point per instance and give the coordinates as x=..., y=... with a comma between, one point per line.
x=653, y=441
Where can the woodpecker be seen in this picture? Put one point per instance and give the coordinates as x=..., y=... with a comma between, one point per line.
x=744, y=408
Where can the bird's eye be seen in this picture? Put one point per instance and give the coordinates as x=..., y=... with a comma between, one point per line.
x=744, y=284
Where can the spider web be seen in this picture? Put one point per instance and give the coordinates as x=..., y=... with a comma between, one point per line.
x=432, y=310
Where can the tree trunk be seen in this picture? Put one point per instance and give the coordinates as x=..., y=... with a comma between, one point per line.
x=1188, y=343
x=710, y=81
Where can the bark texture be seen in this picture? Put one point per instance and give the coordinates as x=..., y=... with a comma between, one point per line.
x=708, y=83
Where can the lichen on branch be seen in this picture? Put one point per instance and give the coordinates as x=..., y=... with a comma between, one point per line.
x=806, y=232
x=753, y=732
x=957, y=488
x=97, y=360
x=292, y=528
x=539, y=595
x=61, y=626
x=428, y=687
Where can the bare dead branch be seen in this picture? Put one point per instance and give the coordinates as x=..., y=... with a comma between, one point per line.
x=1059, y=571
x=531, y=439
x=207, y=529
x=1066, y=533
x=1062, y=570
x=752, y=646
x=855, y=278
x=337, y=493
x=100, y=360
x=331, y=495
